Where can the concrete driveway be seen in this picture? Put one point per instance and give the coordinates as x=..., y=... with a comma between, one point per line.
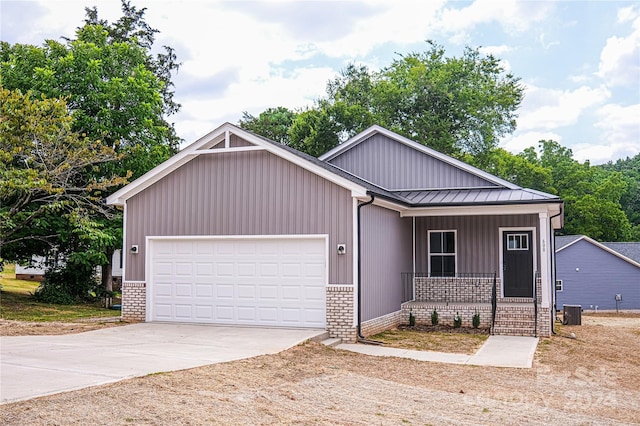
x=32, y=366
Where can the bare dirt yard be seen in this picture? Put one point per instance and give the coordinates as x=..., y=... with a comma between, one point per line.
x=28, y=328
x=593, y=379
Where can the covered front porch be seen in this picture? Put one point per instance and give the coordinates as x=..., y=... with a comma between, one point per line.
x=469, y=294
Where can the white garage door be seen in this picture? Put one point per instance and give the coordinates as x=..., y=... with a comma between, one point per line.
x=258, y=281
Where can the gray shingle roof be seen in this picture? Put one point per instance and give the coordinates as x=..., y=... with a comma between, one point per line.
x=630, y=250
x=565, y=240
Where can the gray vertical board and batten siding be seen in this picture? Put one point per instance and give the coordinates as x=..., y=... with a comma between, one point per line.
x=600, y=276
x=386, y=252
x=242, y=193
x=478, y=240
x=396, y=166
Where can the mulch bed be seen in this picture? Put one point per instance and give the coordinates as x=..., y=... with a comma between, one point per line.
x=442, y=328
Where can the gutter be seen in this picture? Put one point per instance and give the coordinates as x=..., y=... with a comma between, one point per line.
x=360, y=338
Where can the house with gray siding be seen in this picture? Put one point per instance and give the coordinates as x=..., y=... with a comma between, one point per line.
x=237, y=229
x=591, y=274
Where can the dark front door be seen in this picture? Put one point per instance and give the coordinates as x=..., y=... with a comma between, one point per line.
x=517, y=263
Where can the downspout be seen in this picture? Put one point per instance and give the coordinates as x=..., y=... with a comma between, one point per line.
x=553, y=268
x=360, y=337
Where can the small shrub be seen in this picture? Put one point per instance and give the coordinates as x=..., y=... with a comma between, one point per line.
x=53, y=293
x=412, y=319
x=457, y=321
x=475, y=321
x=434, y=317
x=66, y=286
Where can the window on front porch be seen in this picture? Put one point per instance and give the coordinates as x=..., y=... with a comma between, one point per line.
x=442, y=253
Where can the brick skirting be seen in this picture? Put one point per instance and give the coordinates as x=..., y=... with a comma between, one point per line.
x=383, y=323
x=446, y=312
x=134, y=301
x=340, y=312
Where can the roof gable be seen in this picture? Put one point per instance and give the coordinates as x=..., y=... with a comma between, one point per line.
x=565, y=242
x=394, y=162
x=227, y=138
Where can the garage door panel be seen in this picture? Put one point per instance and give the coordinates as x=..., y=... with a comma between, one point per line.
x=225, y=291
x=163, y=289
x=204, y=312
x=246, y=291
x=224, y=269
x=204, y=290
x=163, y=311
x=270, y=281
x=246, y=269
x=183, y=247
x=183, y=290
x=183, y=312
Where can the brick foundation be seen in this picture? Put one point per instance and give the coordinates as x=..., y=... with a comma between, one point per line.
x=446, y=312
x=340, y=312
x=134, y=301
x=383, y=323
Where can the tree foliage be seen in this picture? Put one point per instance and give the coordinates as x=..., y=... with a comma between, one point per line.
x=630, y=199
x=272, y=123
x=456, y=105
x=118, y=92
x=43, y=173
x=593, y=196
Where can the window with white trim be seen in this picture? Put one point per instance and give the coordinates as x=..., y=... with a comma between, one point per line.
x=558, y=285
x=518, y=242
x=442, y=253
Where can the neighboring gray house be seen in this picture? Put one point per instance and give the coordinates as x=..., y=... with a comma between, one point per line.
x=238, y=229
x=591, y=274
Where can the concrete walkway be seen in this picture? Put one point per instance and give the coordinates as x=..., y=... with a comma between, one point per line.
x=497, y=351
x=33, y=366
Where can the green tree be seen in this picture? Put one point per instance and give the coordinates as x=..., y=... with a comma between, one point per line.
x=272, y=123
x=519, y=169
x=118, y=91
x=43, y=173
x=630, y=200
x=456, y=105
x=592, y=196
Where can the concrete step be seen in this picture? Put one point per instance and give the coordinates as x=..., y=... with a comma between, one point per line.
x=513, y=332
x=321, y=337
x=331, y=342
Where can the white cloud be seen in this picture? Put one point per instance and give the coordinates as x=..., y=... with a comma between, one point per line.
x=495, y=50
x=619, y=64
x=398, y=23
x=546, y=109
x=620, y=129
x=512, y=16
x=519, y=141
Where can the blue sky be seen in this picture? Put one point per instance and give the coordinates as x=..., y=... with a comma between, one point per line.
x=579, y=60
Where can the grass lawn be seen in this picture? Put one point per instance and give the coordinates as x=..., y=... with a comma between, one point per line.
x=16, y=303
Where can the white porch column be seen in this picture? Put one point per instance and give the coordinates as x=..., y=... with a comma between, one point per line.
x=545, y=259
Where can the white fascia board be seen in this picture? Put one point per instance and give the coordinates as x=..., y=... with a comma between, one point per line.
x=389, y=205
x=571, y=243
x=476, y=210
x=192, y=151
x=119, y=197
x=419, y=147
x=603, y=247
